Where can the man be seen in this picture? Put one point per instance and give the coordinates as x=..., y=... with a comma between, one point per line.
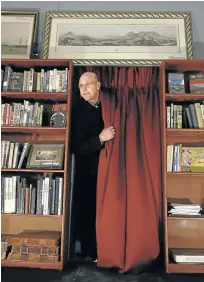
x=88, y=137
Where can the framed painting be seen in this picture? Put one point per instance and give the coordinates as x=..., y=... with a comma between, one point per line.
x=48, y=156
x=117, y=38
x=18, y=32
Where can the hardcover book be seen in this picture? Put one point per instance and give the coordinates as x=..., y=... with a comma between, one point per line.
x=176, y=83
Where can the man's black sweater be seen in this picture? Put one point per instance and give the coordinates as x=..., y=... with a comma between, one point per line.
x=87, y=124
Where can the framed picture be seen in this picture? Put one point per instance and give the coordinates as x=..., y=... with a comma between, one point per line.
x=18, y=31
x=48, y=156
x=117, y=38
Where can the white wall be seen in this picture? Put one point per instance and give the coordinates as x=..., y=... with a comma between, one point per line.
x=195, y=7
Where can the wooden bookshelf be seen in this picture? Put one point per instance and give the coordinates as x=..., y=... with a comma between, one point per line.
x=15, y=223
x=181, y=232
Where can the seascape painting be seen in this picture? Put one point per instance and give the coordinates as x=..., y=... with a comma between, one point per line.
x=117, y=36
x=17, y=34
x=16, y=44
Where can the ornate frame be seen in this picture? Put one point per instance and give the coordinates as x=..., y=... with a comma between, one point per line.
x=184, y=19
x=33, y=35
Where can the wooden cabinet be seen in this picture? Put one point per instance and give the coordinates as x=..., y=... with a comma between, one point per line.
x=15, y=223
x=181, y=232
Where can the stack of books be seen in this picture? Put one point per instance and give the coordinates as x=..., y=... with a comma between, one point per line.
x=196, y=82
x=35, y=246
x=178, y=207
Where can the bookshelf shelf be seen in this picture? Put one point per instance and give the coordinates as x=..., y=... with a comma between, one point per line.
x=52, y=96
x=186, y=268
x=32, y=215
x=184, y=97
x=180, y=174
x=184, y=218
x=184, y=135
x=181, y=231
x=37, y=215
x=31, y=264
x=33, y=170
x=34, y=129
x=60, y=73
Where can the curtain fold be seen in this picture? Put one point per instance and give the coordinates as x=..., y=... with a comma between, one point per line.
x=129, y=173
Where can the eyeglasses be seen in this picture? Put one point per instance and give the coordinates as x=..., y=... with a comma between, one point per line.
x=86, y=85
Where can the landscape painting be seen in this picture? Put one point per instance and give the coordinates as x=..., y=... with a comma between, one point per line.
x=111, y=38
x=17, y=34
x=114, y=36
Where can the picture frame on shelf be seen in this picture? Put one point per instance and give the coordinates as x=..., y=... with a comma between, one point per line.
x=18, y=32
x=46, y=156
x=129, y=38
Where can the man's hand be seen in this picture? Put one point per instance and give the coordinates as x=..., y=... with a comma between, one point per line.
x=107, y=134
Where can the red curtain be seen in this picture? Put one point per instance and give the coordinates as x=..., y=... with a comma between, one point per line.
x=129, y=175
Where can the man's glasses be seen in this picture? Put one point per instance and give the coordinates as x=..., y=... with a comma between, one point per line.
x=86, y=85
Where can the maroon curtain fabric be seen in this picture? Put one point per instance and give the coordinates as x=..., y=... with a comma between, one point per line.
x=129, y=175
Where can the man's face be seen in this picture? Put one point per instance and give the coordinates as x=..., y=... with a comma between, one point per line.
x=89, y=88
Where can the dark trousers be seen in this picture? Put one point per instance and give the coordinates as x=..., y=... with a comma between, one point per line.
x=85, y=203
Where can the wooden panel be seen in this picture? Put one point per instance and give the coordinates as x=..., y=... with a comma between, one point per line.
x=185, y=268
x=67, y=169
x=183, y=97
x=14, y=223
x=184, y=136
x=41, y=265
x=51, y=96
x=34, y=138
x=186, y=186
x=22, y=63
x=185, y=233
x=184, y=65
x=34, y=129
x=32, y=170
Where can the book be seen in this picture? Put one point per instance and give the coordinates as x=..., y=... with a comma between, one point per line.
x=176, y=83
x=187, y=255
x=193, y=159
x=58, y=117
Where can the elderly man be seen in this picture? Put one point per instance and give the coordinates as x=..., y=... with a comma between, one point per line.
x=88, y=137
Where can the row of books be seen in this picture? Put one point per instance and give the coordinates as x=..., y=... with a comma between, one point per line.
x=22, y=114
x=31, y=245
x=183, y=82
x=34, y=80
x=185, y=159
x=14, y=154
x=185, y=116
x=23, y=196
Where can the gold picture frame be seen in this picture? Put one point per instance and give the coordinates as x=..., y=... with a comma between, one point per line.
x=130, y=38
x=18, y=32
x=46, y=156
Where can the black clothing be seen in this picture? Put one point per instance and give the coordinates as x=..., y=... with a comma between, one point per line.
x=87, y=123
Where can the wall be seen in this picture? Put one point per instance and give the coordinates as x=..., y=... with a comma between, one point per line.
x=195, y=7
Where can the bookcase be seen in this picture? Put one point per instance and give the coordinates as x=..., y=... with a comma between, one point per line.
x=13, y=223
x=181, y=232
